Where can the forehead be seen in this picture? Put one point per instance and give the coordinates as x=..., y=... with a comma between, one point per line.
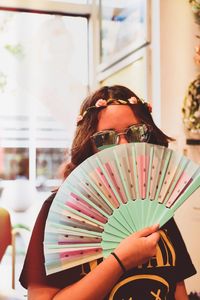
x=117, y=117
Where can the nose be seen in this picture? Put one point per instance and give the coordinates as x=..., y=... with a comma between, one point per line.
x=122, y=139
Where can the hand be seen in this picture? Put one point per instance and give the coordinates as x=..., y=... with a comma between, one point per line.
x=137, y=248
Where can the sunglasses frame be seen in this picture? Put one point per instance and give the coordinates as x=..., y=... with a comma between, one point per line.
x=117, y=134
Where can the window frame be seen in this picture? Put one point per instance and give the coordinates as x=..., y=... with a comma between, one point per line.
x=88, y=11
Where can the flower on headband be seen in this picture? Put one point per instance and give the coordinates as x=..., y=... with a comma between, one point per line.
x=133, y=100
x=149, y=106
x=101, y=102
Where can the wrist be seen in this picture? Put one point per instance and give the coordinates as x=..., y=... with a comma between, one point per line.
x=120, y=263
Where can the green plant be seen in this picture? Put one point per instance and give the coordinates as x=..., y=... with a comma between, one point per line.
x=19, y=225
x=191, y=107
x=195, y=5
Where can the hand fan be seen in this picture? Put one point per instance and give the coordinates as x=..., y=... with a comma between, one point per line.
x=112, y=194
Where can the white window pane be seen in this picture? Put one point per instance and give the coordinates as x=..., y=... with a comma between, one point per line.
x=75, y=1
x=123, y=28
x=43, y=79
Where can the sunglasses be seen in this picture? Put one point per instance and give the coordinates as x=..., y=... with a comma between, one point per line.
x=133, y=134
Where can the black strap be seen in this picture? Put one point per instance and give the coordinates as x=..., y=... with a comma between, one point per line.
x=192, y=142
x=119, y=261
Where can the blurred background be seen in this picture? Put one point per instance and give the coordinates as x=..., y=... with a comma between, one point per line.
x=52, y=53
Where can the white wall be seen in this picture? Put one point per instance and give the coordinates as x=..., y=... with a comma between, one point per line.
x=177, y=70
x=177, y=41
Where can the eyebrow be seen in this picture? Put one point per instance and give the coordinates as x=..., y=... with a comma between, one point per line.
x=113, y=129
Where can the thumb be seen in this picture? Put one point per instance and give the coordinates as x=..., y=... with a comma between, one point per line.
x=147, y=231
x=153, y=238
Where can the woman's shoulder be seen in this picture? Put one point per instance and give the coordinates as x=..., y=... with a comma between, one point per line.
x=47, y=203
x=38, y=229
x=50, y=199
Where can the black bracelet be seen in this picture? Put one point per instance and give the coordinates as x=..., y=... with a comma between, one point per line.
x=119, y=261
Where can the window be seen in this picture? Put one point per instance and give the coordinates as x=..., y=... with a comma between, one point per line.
x=124, y=29
x=43, y=79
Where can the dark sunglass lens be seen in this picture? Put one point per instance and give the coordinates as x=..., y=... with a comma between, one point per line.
x=104, y=139
x=138, y=133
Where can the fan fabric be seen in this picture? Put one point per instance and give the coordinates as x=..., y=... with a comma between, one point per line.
x=112, y=194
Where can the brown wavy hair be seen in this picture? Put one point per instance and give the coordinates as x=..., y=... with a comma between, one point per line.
x=82, y=145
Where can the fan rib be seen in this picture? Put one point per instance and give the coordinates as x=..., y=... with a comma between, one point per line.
x=69, y=229
x=185, y=179
x=63, y=213
x=77, y=246
x=108, y=179
x=156, y=170
x=74, y=190
x=128, y=214
x=80, y=214
x=122, y=176
x=163, y=174
x=149, y=173
x=114, y=190
x=172, y=184
x=190, y=189
x=135, y=172
x=98, y=191
x=108, y=228
x=61, y=266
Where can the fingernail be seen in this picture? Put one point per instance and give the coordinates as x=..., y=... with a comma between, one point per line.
x=156, y=226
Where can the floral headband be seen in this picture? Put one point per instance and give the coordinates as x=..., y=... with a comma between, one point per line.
x=103, y=103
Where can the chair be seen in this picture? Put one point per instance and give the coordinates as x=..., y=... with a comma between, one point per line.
x=5, y=231
x=7, y=238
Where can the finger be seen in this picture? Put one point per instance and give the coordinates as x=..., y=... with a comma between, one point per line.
x=147, y=231
x=153, y=238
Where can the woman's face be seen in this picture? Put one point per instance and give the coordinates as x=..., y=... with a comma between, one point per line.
x=117, y=117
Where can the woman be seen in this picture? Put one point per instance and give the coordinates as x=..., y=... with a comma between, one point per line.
x=146, y=265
